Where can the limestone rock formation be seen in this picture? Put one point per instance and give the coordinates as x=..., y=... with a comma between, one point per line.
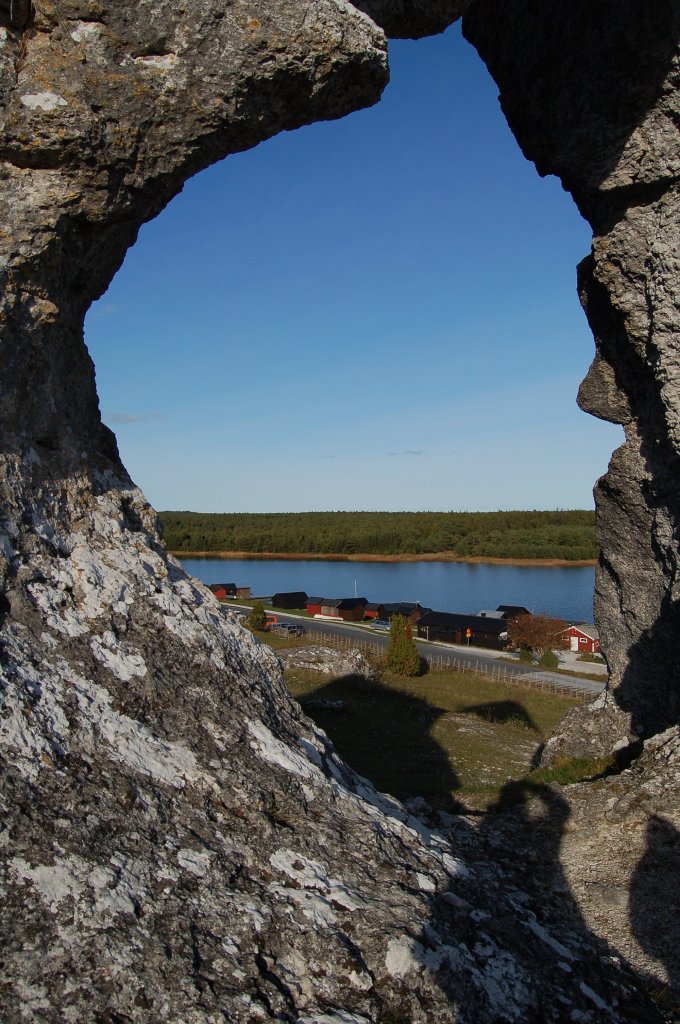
x=621, y=857
x=413, y=18
x=594, y=99
x=179, y=843
x=604, y=855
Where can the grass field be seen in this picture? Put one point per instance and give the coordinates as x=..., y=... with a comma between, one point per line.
x=450, y=737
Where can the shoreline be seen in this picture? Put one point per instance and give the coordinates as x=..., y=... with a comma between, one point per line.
x=443, y=556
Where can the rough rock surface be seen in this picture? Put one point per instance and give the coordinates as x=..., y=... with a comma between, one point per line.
x=413, y=18
x=179, y=843
x=328, y=660
x=599, y=729
x=594, y=99
x=603, y=856
x=621, y=859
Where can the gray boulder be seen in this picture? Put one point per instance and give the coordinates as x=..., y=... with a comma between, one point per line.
x=328, y=660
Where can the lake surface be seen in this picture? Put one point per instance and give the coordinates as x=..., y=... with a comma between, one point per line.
x=563, y=591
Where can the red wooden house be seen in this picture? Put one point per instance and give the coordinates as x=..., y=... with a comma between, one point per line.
x=582, y=637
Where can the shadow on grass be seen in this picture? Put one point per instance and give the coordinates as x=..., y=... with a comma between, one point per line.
x=503, y=712
x=385, y=736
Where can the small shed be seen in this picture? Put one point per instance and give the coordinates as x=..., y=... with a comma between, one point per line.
x=314, y=605
x=222, y=591
x=412, y=611
x=452, y=628
x=582, y=637
x=511, y=611
x=290, y=599
x=349, y=609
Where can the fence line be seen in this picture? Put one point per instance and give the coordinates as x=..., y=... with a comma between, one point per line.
x=439, y=663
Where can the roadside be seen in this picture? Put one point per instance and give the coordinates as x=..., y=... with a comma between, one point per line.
x=496, y=664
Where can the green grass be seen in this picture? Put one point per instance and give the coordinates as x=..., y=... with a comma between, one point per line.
x=574, y=769
x=449, y=737
x=278, y=642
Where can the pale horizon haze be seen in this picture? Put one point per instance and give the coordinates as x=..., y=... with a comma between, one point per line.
x=376, y=313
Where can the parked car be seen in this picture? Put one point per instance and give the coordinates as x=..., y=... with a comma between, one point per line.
x=288, y=629
x=381, y=624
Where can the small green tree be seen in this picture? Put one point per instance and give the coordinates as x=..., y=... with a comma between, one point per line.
x=549, y=660
x=258, y=617
x=402, y=656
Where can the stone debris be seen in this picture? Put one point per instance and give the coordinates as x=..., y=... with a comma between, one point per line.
x=328, y=660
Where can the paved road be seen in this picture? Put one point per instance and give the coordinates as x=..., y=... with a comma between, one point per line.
x=470, y=657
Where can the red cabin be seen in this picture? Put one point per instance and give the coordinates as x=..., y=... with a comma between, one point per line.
x=582, y=637
x=222, y=591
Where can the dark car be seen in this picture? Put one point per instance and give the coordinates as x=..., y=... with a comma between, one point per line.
x=288, y=629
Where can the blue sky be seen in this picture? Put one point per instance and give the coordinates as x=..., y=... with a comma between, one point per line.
x=373, y=313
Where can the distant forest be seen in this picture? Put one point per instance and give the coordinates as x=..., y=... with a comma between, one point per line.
x=564, y=535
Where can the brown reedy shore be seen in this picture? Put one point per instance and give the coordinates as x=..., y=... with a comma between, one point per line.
x=440, y=556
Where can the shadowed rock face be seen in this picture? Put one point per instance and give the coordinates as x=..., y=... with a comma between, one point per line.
x=108, y=109
x=413, y=18
x=591, y=93
x=179, y=842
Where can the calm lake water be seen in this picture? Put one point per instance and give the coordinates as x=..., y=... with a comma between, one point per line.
x=563, y=591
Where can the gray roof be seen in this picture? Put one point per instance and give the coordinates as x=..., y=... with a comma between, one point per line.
x=585, y=627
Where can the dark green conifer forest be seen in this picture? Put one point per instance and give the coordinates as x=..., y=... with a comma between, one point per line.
x=568, y=535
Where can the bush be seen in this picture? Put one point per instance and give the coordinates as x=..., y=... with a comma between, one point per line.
x=402, y=656
x=526, y=655
x=549, y=660
x=258, y=617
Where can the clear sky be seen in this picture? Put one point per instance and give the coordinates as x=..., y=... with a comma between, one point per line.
x=373, y=313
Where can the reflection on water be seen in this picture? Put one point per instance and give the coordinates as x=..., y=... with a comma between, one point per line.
x=564, y=591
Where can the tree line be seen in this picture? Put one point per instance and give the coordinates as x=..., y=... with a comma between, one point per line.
x=568, y=535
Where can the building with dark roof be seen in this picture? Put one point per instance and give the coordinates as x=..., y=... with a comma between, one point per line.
x=291, y=599
x=511, y=611
x=451, y=628
x=223, y=590
x=349, y=609
x=411, y=610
